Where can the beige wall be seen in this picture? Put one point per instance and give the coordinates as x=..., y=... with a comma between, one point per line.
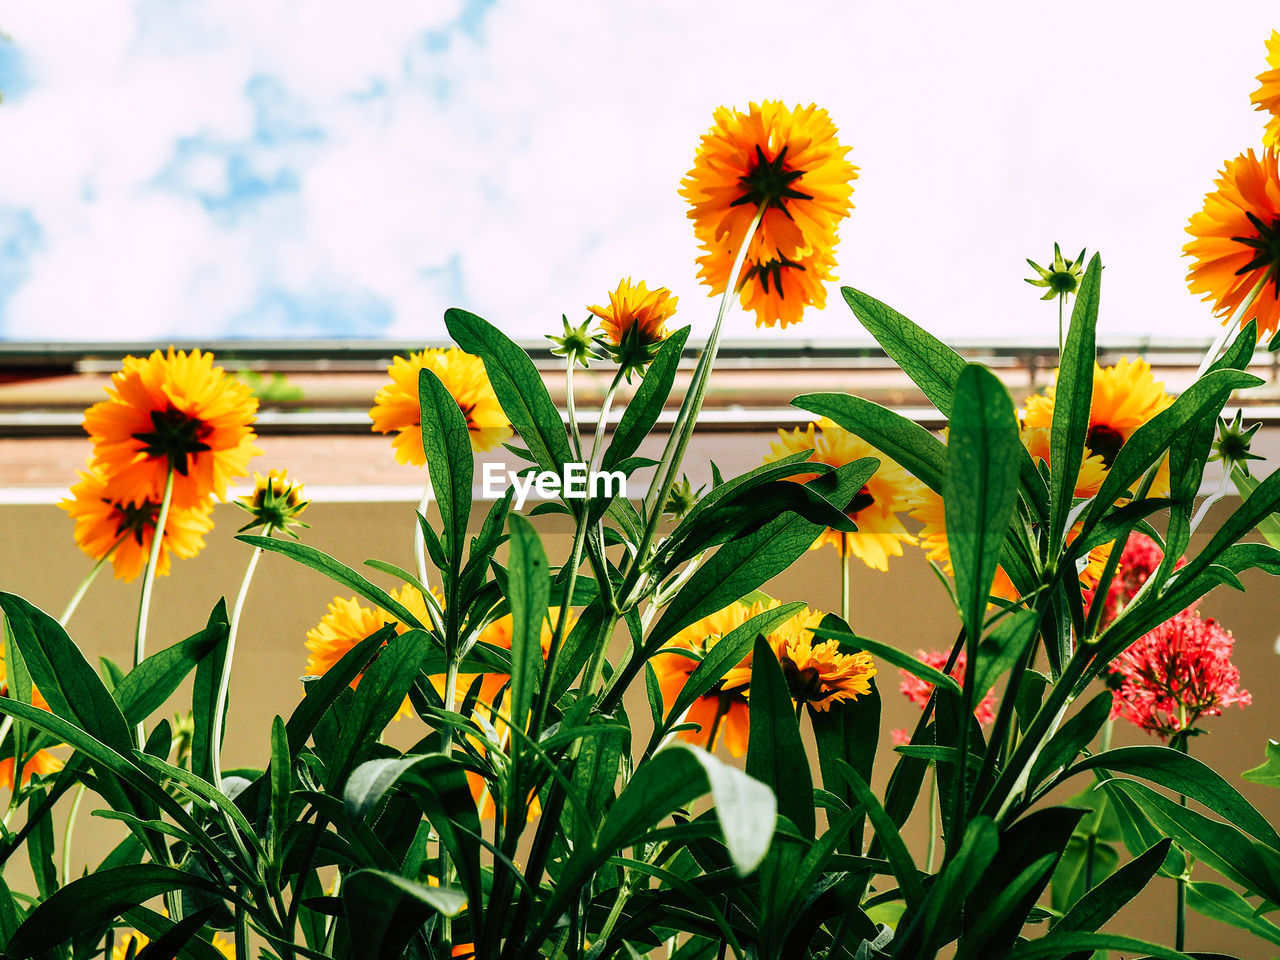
x=906, y=607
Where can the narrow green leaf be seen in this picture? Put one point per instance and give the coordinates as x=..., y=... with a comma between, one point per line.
x=528, y=592
x=893, y=655
x=148, y=685
x=1102, y=903
x=643, y=409
x=519, y=387
x=1268, y=771
x=1268, y=526
x=281, y=783
x=1224, y=904
x=1002, y=647
x=981, y=487
x=904, y=868
x=775, y=752
x=952, y=886
x=385, y=910
x=1074, y=735
x=1059, y=945
x=447, y=446
x=204, y=691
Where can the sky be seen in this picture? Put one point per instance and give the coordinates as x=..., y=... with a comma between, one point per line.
x=203, y=169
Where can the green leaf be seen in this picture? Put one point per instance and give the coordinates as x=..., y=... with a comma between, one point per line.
x=1224, y=904
x=726, y=654
x=775, y=751
x=1059, y=945
x=906, y=442
x=204, y=692
x=1268, y=771
x=1002, y=647
x=528, y=592
x=893, y=655
x=953, y=885
x=1072, y=737
x=1009, y=905
x=981, y=487
x=155, y=926
x=40, y=850
x=1268, y=526
x=281, y=783
x=378, y=698
x=742, y=565
x=384, y=910
x=1073, y=396
x=173, y=941
x=447, y=446
x=339, y=573
x=1185, y=774
x=148, y=685
x=1102, y=903
x=644, y=408
x=904, y=868
x=65, y=679
x=95, y=900
x=519, y=387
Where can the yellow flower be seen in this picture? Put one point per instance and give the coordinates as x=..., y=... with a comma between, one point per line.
x=396, y=407
x=874, y=508
x=636, y=314
x=104, y=521
x=779, y=291
x=172, y=410
x=1267, y=96
x=138, y=940
x=1237, y=242
x=275, y=502
x=928, y=507
x=721, y=711
x=1125, y=396
x=347, y=622
x=789, y=161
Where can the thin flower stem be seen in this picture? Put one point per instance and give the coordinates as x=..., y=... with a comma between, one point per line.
x=1180, y=918
x=1230, y=327
x=446, y=747
x=66, y=834
x=419, y=538
x=148, y=582
x=84, y=584
x=931, y=856
x=1223, y=486
x=844, y=578
x=570, y=409
x=1061, y=299
x=224, y=684
x=687, y=418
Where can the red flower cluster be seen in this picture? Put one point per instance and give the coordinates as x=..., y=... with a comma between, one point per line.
x=1141, y=558
x=1176, y=674
x=918, y=691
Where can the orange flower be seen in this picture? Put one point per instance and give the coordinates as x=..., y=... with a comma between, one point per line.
x=1236, y=242
x=1267, y=96
x=874, y=508
x=347, y=622
x=637, y=313
x=174, y=410
x=396, y=407
x=789, y=161
x=779, y=291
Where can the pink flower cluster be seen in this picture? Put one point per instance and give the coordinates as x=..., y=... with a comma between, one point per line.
x=918, y=691
x=1176, y=674
x=1140, y=559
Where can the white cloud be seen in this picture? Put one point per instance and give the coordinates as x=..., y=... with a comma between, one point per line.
x=519, y=161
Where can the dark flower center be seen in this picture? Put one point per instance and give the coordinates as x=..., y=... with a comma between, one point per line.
x=135, y=519
x=467, y=410
x=1266, y=247
x=768, y=182
x=805, y=685
x=769, y=269
x=176, y=437
x=1105, y=442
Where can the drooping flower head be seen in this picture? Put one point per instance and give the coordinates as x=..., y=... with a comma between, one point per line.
x=918, y=691
x=874, y=508
x=108, y=525
x=274, y=504
x=635, y=322
x=789, y=163
x=1236, y=242
x=1267, y=96
x=176, y=411
x=347, y=622
x=722, y=711
x=1177, y=674
x=396, y=408
x=1125, y=396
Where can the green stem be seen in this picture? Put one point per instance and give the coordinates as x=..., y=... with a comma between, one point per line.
x=67, y=832
x=446, y=747
x=84, y=584
x=224, y=684
x=1183, y=744
x=570, y=409
x=844, y=577
x=1062, y=297
x=1230, y=326
x=686, y=419
x=934, y=826
x=148, y=582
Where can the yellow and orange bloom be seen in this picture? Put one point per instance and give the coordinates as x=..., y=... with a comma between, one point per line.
x=788, y=163
x=347, y=622
x=275, y=503
x=875, y=508
x=1236, y=242
x=636, y=317
x=396, y=408
x=722, y=711
x=109, y=525
x=929, y=508
x=1267, y=96
x=176, y=411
